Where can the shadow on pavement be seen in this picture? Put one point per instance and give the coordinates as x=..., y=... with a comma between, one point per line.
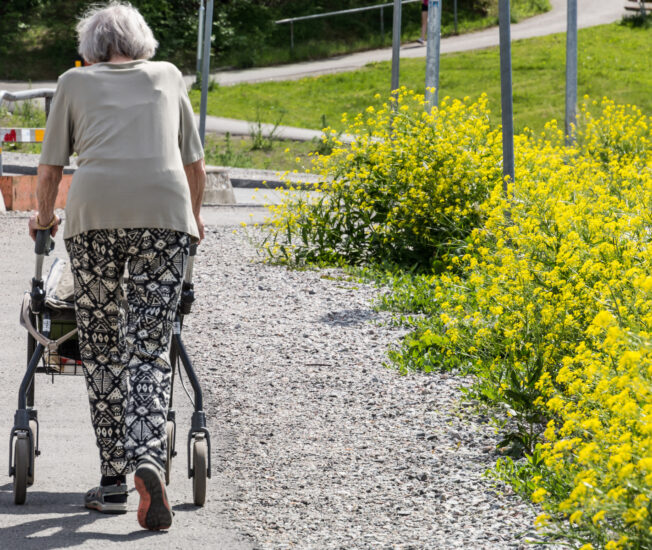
x=65, y=529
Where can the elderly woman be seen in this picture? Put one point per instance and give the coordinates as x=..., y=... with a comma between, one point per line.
x=134, y=201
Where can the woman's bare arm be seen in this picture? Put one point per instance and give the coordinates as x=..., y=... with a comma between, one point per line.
x=47, y=185
x=196, y=175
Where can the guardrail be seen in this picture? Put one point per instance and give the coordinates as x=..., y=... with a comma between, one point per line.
x=24, y=135
x=380, y=7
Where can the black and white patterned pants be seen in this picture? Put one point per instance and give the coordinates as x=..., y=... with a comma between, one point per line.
x=125, y=353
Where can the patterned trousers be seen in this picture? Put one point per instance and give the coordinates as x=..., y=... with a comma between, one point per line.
x=125, y=353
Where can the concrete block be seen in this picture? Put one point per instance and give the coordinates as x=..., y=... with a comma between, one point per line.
x=218, y=187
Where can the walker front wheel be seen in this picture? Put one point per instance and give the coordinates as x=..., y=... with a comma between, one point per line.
x=170, y=434
x=21, y=461
x=34, y=427
x=200, y=470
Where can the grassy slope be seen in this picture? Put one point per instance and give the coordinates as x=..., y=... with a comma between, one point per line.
x=614, y=61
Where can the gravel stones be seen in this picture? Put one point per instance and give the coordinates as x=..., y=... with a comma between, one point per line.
x=316, y=444
x=319, y=444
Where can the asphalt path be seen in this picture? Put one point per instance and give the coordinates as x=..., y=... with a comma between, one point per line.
x=590, y=13
x=54, y=516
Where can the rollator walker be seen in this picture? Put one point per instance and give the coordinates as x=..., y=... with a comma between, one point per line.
x=48, y=314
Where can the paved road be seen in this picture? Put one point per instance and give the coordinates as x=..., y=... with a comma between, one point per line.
x=590, y=13
x=53, y=516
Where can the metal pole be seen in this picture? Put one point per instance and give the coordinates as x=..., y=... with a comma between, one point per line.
x=205, y=73
x=382, y=26
x=396, y=44
x=433, y=53
x=455, y=14
x=291, y=36
x=200, y=36
x=571, y=70
x=506, y=91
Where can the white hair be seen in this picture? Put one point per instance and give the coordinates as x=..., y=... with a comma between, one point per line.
x=116, y=28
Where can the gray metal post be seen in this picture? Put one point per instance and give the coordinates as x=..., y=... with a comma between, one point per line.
x=206, y=69
x=433, y=53
x=382, y=26
x=396, y=44
x=571, y=70
x=200, y=36
x=506, y=91
x=291, y=36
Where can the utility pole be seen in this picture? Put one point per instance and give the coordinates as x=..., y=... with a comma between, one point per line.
x=396, y=45
x=200, y=36
x=433, y=53
x=571, y=70
x=506, y=92
x=206, y=69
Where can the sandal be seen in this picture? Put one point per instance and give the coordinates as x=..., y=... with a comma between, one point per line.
x=95, y=499
x=154, y=510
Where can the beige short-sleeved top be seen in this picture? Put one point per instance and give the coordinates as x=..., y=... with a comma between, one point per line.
x=133, y=129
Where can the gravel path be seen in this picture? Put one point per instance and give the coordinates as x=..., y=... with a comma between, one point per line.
x=321, y=445
x=316, y=444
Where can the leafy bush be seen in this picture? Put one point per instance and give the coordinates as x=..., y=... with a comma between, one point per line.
x=407, y=190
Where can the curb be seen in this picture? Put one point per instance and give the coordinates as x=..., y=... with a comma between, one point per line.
x=244, y=178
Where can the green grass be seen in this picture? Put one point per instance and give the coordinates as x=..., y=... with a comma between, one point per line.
x=614, y=61
x=239, y=152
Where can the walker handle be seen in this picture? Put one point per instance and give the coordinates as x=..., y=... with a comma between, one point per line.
x=44, y=242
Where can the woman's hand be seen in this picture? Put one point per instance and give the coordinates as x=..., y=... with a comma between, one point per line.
x=37, y=225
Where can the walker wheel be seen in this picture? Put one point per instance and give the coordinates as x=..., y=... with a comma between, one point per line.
x=200, y=470
x=30, y=478
x=170, y=433
x=21, y=461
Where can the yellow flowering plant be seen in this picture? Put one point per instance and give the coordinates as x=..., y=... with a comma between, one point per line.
x=544, y=294
x=406, y=190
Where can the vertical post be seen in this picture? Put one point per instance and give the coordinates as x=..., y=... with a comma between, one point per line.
x=571, y=70
x=433, y=53
x=396, y=44
x=506, y=91
x=291, y=37
x=200, y=36
x=206, y=70
x=382, y=26
x=455, y=14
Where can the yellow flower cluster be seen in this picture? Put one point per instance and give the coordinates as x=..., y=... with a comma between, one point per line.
x=560, y=277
